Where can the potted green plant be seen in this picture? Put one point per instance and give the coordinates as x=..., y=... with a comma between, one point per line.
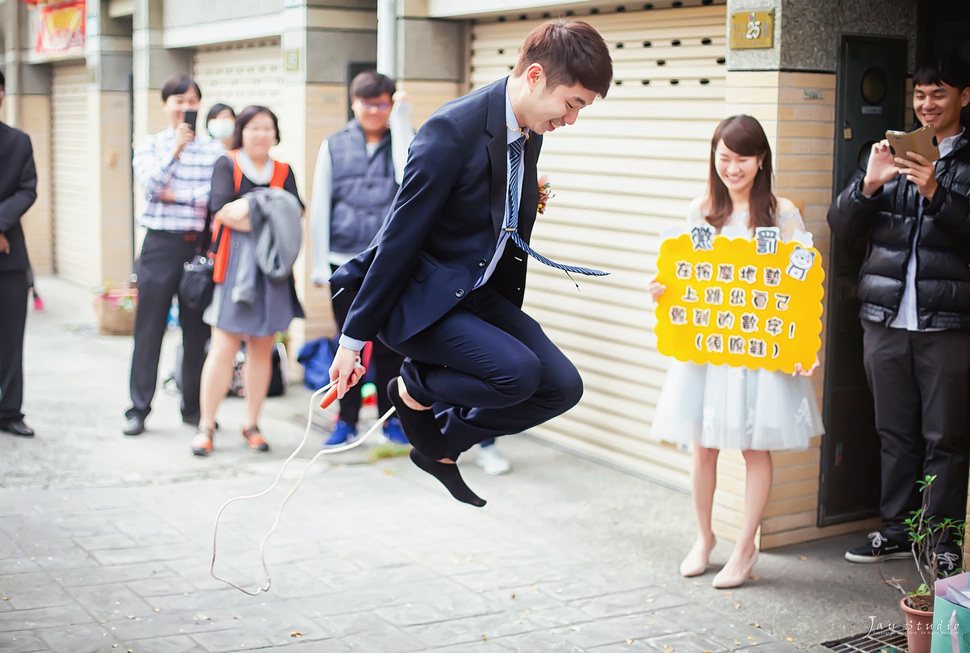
x=926, y=533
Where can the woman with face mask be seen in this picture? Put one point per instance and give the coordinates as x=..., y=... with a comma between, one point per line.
x=220, y=122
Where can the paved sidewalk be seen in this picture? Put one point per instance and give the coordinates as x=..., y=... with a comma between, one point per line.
x=105, y=541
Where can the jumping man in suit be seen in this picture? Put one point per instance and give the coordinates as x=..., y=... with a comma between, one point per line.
x=442, y=283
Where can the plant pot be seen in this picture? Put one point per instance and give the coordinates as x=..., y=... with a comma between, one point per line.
x=115, y=309
x=919, y=628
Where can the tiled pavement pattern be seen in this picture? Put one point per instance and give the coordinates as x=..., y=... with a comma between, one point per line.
x=105, y=541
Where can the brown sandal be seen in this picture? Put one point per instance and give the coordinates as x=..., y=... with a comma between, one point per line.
x=255, y=438
x=202, y=442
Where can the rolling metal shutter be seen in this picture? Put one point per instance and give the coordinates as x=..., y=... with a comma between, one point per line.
x=76, y=243
x=239, y=74
x=251, y=72
x=621, y=175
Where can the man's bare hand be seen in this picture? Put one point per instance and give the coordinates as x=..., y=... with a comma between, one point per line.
x=4, y=244
x=183, y=136
x=880, y=168
x=235, y=215
x=167, y=196
x=919, y=170
x=346, y=370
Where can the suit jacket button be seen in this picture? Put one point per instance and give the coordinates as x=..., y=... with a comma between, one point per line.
x=459, y=293
x=482, y=263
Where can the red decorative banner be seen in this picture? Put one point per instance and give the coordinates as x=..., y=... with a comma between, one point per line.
x=61, y=28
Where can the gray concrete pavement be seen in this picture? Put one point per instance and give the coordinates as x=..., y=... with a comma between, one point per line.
x=105, y=540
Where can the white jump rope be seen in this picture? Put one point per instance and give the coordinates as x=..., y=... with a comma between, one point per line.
x=331, y=394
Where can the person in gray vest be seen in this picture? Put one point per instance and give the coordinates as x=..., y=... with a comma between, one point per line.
x=357, y=174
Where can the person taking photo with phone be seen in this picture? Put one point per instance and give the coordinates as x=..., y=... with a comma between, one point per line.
x=915, y=290
x=174, y=168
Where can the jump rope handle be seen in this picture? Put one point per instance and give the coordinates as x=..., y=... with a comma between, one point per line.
x=329, y=397
x=331, y=394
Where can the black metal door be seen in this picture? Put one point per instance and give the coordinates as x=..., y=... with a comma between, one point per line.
x=870, y=99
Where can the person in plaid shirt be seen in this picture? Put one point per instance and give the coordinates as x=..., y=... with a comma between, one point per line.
x=174, y=168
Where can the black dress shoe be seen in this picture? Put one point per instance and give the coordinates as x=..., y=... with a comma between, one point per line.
x=134, y=425
x=17, y=427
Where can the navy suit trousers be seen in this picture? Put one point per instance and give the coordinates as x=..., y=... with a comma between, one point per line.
x=14, y=287
x=489, y=370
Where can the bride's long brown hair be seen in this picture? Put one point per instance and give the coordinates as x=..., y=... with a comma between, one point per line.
x=744, y=135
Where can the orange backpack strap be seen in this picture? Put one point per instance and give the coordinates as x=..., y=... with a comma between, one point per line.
x=280, y=172
x=236, y=170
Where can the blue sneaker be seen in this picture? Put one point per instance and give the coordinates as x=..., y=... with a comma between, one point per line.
x=393, y=431
x=343, y=433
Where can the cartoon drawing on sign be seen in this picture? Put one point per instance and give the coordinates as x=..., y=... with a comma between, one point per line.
x=800, y=262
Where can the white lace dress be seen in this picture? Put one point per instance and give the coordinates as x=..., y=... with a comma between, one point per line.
x=736, y=408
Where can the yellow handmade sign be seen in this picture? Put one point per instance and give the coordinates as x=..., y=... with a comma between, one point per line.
x=746, y=302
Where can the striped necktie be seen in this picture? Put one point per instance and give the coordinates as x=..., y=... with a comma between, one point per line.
x=515, y=156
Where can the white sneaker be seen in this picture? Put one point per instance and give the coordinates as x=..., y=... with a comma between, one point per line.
x=492, y=461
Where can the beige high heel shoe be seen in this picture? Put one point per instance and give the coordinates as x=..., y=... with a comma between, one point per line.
x=697, y=560
x=723, y=580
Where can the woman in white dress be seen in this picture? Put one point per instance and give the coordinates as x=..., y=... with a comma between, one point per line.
x=715, y=407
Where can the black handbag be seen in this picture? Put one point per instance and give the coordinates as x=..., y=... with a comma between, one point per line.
x=196, y=286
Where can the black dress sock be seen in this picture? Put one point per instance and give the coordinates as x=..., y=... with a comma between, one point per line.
x=449, y=476
x=419, y=426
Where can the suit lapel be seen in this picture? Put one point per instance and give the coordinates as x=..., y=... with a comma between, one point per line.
x=497, y=155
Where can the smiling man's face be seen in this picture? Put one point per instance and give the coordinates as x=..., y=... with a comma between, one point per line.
x=940, y=105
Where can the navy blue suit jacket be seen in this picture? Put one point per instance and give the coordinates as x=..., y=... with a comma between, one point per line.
x=18, y=190
x=443, y=228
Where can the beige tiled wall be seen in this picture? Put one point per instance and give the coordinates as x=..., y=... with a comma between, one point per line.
x=35, y=115
x=112, y=178
x=800, y=129
x=428, y=96
x=326, y=112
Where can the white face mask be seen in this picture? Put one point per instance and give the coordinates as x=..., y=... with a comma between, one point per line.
x=222, y=128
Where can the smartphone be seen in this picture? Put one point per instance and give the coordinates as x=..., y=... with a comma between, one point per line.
x=191, y=117
x=922, y=141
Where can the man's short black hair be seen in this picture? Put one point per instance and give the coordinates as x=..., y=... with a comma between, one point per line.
x=3, y=81
x=952, y=72
x=370, y=84
x=178, y=85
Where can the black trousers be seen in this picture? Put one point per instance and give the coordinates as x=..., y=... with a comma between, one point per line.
x=489, y=370
x=920, y=382
x=13, y=320
x=386, y=364
x=159, y=269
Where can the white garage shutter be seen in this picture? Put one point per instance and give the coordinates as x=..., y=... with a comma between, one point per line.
x=76, y=242
x=239, y=74
x=621, y=175
x=251, y=72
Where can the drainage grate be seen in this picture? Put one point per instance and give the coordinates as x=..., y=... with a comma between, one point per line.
x=884, y=640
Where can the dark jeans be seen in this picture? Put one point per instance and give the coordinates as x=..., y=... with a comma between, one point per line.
x=13, y=309
x=489, y=370
x=159, y=269
x=386, y=364
x=920, y=383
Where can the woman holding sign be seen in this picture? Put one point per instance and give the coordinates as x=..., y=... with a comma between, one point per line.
x=744, y=407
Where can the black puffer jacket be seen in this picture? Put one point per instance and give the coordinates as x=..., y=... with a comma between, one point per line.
x=889, y=221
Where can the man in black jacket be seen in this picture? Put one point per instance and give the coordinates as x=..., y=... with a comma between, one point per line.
x=18, y=183
x=915, y=292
